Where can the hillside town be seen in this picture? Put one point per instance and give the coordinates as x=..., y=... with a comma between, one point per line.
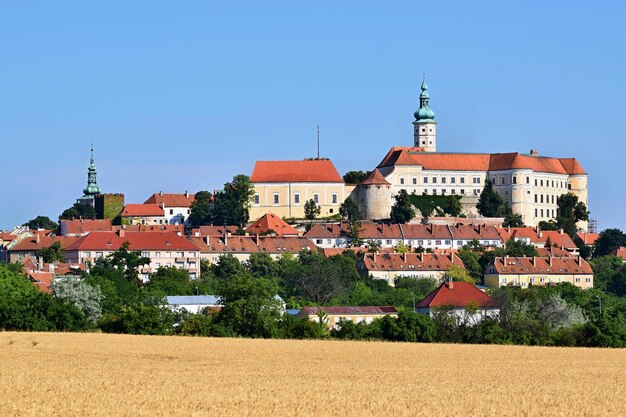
x=451, y=230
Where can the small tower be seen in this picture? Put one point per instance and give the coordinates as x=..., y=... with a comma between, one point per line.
x=424, y=126
x=92, y=187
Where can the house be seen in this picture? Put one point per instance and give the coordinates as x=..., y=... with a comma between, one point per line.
x=81, y=227
x=28, y=247
x=283, y=187
x=538, y=238
x=356, y=314
x=270, y=223
x=164, y=249
x=463, y=300
x=176, y=207
x=179, y=229
x=145, y=214
x=620, y=253
x=527, y=271
x=214, y=231
x=389, y=266
x=588, y=238
x=192, y=303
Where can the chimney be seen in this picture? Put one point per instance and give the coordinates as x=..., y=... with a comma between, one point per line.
x=404, y=257
x=580, y=261
x=207, y=239
x=422, y=257
x=196, y=234
x=247, y=234
x=540, y=234
x=37, y=238
x=40, y=263
x=550, y=260
x=561, y=232
x=508, y=229
x=450, y=284
x=374, y=257
x=186, y=194
x=534, y=152
x=161, y=193
x=226, y=236
x=534, y=261
x=121, y=232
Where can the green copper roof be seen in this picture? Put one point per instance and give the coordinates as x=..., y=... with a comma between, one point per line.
x=92, y=187
x=424, y=113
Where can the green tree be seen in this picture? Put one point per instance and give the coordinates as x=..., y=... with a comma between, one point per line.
x=490, y=204
x=548, y=225
x=82, y=295
x=41, y=222
x=232, y=206
x=169, y=280
x=456, y=273
x=408, y=327
x=227, y=266
x=608, y=241
x=402, y=210
x=51, y=254
x=355, y=177
x=471, y=261
x=513, y=220
x=311, y=211
x=78, y=211
x=261, y=264
x=201, y=210
x=128, y=262
x=570, y=211
x=143, y=317
x=349, y=211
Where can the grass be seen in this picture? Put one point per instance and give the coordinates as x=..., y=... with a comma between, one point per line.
x=99, y=374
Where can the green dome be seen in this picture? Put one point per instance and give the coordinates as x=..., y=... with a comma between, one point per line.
x=92, y=189
x=424, y=113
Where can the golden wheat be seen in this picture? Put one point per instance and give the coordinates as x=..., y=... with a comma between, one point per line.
x=98, y=374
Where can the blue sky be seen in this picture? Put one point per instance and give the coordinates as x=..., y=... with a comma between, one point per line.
x=183, y=96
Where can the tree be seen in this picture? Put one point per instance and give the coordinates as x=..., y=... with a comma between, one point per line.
x=128, y=262
x=350, y=212
x=232, y=206
x=201, y=209
x=608, y=241
x=311, y=211
x=402, y=210
x=227, y=266
x=169, y=280
x=84, y=296
x=408, y=327
x=557, y=313
x=490, y=204
x=51, y=254
x=471, y=261
x=513, y=220
x=41, y=222
x=569, y=212
x=355, y=177
x=456, y=273
x=78, y=211
x=548, y=225
x=261, y=264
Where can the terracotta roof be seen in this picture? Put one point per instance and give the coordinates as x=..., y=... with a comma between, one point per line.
x=84, y=226
x=479, y=162
x=142, y=210
x=375, y=178
x=42, y=280
x=179, y=228
x=271, y=222
x=328, y=252
x=588, y=238
x=620, y=252
x=558, y=238
x=31, y=244
x=544, y=266
x=456, y=294
x=171, y=200
x=214, y=230
x=426, y=231
x=111, y=241
x=555, y=252
x=250, y=244
x=308, y=170
x=349, y=310
x=291, y=244
x=7, y=237
x=478, y=232
x=412, y=262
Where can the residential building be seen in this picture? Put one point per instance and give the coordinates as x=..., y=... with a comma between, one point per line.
x=194, y=304
x=526, y=271
x=468, y=304
x=283, y=187
x=164, y=249
x=28, y=247
x=334, y=315
x=176, y=207
x=538, y=238
x=81, y=227
x=270, y=223
x=588, y=238
x=144, y=214
x=389, y=266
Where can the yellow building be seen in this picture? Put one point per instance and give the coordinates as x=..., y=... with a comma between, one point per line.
x=283, y=187
x=358, y=314
x=526, y=271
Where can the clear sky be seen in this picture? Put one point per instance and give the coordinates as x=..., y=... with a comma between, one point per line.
x=184, y=95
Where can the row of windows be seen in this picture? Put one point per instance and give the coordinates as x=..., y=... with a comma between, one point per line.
x=548, y=200
x=444, y=180
x=537, y=212
x=147, y=254
x=538, y=183
x=296, y=198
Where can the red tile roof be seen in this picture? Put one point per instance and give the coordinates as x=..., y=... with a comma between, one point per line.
x=588, y=238
x=110, y=241
x=328, y=252
x=308, y=170
x=84, y=226
x=179, y=228
x=479, y=162
x=214, y=230
x=375, y=178
x=42, y=280
x=411, y=262
x=456, y=294
x=349, y=310
x=558, y=238
x=171, y=200
x=31, y=244
x=620, y=253
x=142, y=210
x=544, y=266
x=250, y=244
x=271, y=222
x=555, y=252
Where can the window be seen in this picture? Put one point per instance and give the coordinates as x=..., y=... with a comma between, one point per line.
x=569, y=186
x=552, y=183
x=316, y=198
x=541, y=212
x=423, y=129
x=536, y=198
x=171, y=211
x=476, y=180
x=87, y=254
x=462, y=180
x=443, y=192
x=535, y=212
x=463, y=191
x=425, y=180
x=276, y=198
x=98, y=255
x=552, y=199
x=434, y=192
x=443, y=180
x=541, y=183
x=541, y=198
x=296, y=198
x=503, y=180
x=157, y=254
x=168, y=254
x=453, y=191
x=180, y=254
x=452, y=180
x=192, y=264
x=527, y=180
x=334, y=198
x=414, y=180
x=535, y=182
x=401, y=180
x=192, y=254
x=434, y=180
x=514, y=180
x=256, y=199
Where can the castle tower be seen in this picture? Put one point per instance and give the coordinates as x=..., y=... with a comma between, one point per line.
x=375, y=197
x=424, y=126
x=92, y=187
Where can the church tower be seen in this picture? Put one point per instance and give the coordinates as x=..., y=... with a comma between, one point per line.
x=92, y=187
x=424, y=126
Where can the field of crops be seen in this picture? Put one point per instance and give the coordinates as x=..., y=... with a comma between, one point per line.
x=97, y=374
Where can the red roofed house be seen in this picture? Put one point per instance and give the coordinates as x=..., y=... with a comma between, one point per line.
x=81, y=227
x=466, y=302
x=620, y=253
x=176, y=207
x=163, y=249
x=28, y=247
x=588, y=238
x=539, y=238
x=527, y=271
x=145, y=214
x=271, y=223
x=334, y=315
x=389, y=266
x=282, y=187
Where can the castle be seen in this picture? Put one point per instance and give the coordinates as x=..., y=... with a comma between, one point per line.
x=529, y=183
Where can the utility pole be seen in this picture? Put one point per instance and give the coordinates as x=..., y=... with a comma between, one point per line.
x=318, y=141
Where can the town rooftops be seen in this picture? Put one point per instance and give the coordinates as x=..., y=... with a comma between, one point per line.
x=535, y=236
x=399, y=155
x=37, y=242
x=111, y=241
x=270, y=222
x=171, y=200
x=620, y=252
x=588, y=238
x=235, y=244
x=308, y=170
x=178, y=228
x=351, y=310
x=84, y=226
x=456, y=294
x=412, y=262
x=142, y=210
x=214, y=230
x=541, y=265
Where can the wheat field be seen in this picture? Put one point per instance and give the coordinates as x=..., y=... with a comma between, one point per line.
x=47, y=374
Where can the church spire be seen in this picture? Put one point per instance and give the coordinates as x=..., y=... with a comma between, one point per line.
x=424, y=126
x=92, y=187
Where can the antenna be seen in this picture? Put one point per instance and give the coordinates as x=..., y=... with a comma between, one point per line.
x=318, y=141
